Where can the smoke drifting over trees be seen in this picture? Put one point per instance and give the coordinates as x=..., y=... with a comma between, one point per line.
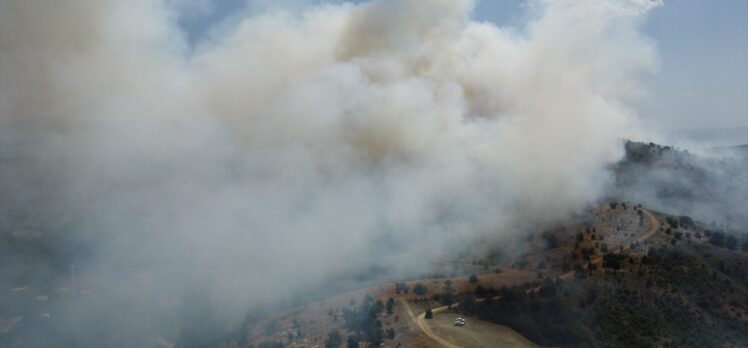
x=300, y=146
x=711, y=187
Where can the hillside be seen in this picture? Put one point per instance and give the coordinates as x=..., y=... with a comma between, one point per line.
x=688, y=294
x=613, y=278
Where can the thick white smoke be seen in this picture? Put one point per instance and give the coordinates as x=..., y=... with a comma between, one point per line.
x=297, y=146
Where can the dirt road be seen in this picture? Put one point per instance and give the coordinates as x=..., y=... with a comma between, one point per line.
x=654, y=225
x=420, y=321
x=480, y=333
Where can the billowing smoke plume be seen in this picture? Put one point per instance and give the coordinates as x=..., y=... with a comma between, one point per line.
x=297, y=146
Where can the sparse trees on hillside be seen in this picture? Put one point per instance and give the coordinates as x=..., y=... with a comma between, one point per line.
x=362, y=320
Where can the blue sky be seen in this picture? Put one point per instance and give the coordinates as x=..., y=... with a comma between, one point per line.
x=703, y=48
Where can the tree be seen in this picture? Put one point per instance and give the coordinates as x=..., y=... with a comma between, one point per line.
x=731, y=242
x=429, y=314
x=420, y=289
x=550, y=241
x=375, y=333
x=391, y=333
x=468, y=303
x=613, y=261
x=353, y=341
x=401, y=287
x=579, y=272
x=547, y=291
x=717, y=239
x=448, y=286
x=686, y=221
x=390, y=305
x=333, y=339
x=473, y=278
x=378, y=306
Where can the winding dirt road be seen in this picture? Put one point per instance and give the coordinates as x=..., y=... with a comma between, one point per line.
x=654, y=225
x=420, y=321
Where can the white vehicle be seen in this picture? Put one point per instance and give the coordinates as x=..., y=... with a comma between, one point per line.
x=459, y=322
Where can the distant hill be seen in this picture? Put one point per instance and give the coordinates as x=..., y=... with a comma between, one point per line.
x=711, y=187
x=740, y=151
